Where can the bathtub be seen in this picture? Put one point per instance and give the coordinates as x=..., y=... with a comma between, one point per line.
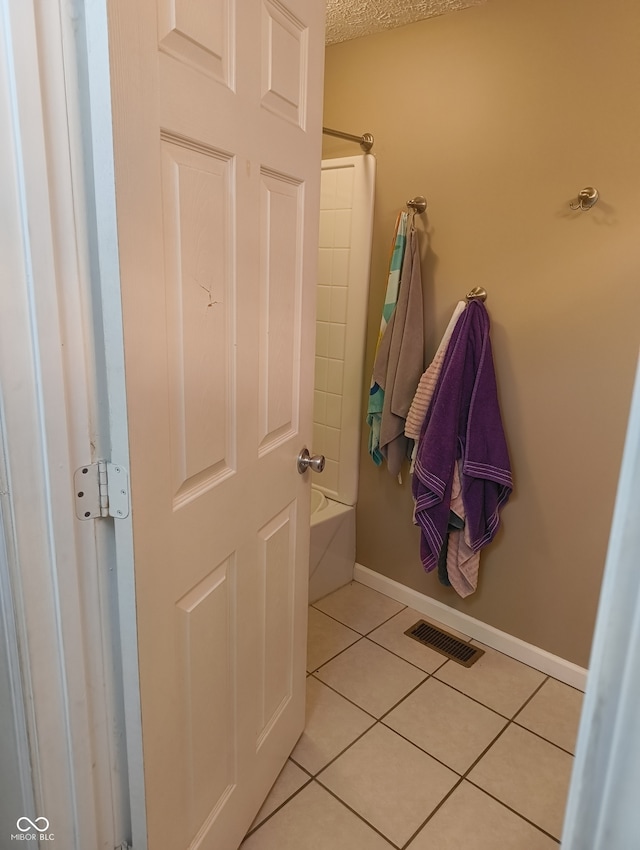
x=332, y=550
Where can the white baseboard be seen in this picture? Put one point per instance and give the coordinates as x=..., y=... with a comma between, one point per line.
x=535, y=657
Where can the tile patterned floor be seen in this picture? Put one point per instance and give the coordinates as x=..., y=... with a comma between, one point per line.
x=404, y=749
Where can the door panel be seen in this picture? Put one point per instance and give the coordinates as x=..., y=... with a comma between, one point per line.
x=198, y=248
x=198, y=33
x=205, y=631
x=217, y=136
x=277, y=558
x=281, y=229
x=284, y=62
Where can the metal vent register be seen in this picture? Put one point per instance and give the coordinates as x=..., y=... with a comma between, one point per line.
x=444, y=643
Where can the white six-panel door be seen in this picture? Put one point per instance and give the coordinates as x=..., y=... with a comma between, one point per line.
x=217, y=134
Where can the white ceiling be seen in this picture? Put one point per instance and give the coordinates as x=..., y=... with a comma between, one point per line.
x=348, y=19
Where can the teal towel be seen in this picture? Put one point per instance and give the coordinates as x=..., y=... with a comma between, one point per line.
x=376, y=393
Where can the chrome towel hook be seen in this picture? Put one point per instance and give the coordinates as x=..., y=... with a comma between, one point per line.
x=418, y=204
x=478, y=293
x=587, y=197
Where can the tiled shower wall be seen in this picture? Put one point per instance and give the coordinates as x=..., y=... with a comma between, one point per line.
x=336, y=204
x=346, y=227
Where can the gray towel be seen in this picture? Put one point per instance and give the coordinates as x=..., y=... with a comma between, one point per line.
x=400, y=359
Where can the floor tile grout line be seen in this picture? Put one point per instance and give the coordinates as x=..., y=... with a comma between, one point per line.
x=462, y=693
x=475, y=699
x=381, y=719
x=324, y=663
x=542, y=738
x=408, y=694
x=402, y=657
x=344, y=697
x=342, y=623
x=512, y=810
x=357, y=814
x=380, y=646
x=384, y=622
x=497, y=799
x=461, y=778
x=437, y=622
x=336, y=620
x=514, y=720
x=432, y=813
x=380, y=722
x=446, y=684
x=281, y=806
x=464, y=774
x=526, y=702
x=301, y=766
x=422, y=749
x=341, y=753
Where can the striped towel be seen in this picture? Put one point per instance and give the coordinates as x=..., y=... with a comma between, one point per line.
x=376, y=393
x=463, y=564
x=429, y=379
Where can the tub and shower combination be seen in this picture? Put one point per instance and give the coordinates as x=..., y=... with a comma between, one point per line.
x=346, y=222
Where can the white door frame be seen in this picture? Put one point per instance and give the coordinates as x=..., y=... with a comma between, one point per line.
x=603, y=811
x=58, y=570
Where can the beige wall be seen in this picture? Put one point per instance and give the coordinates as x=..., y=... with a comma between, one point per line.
x=500, y=114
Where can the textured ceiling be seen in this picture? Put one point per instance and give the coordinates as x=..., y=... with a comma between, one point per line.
x=348, y=19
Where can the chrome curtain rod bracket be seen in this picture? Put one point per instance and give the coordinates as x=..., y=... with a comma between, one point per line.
x=417, y=204
x=365, y=141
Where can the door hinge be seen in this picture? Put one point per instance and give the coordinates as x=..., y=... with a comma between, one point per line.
x=101, y=489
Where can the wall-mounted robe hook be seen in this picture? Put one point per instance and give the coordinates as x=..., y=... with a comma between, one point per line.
x=587, y=197
x=478, y=293
x=418, y=204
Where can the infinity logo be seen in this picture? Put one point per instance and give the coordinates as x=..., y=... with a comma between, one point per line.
x=33, y=824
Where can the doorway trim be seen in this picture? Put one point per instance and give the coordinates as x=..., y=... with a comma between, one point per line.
x=66, y=591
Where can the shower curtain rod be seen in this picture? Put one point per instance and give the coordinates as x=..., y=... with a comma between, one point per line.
x=365, y=141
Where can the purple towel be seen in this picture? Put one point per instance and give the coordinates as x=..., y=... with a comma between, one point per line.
x=463, y=421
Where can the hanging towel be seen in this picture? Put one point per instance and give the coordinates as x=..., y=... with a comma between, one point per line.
x=376, y=393
x=400, y=359
x=463, y=421
x=427, y=384
x=463, y=564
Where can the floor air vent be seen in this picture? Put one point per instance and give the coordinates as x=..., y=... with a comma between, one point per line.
x=444, y=643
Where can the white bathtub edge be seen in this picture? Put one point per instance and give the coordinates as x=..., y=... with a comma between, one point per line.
x=332, y=509
x=565, y=671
